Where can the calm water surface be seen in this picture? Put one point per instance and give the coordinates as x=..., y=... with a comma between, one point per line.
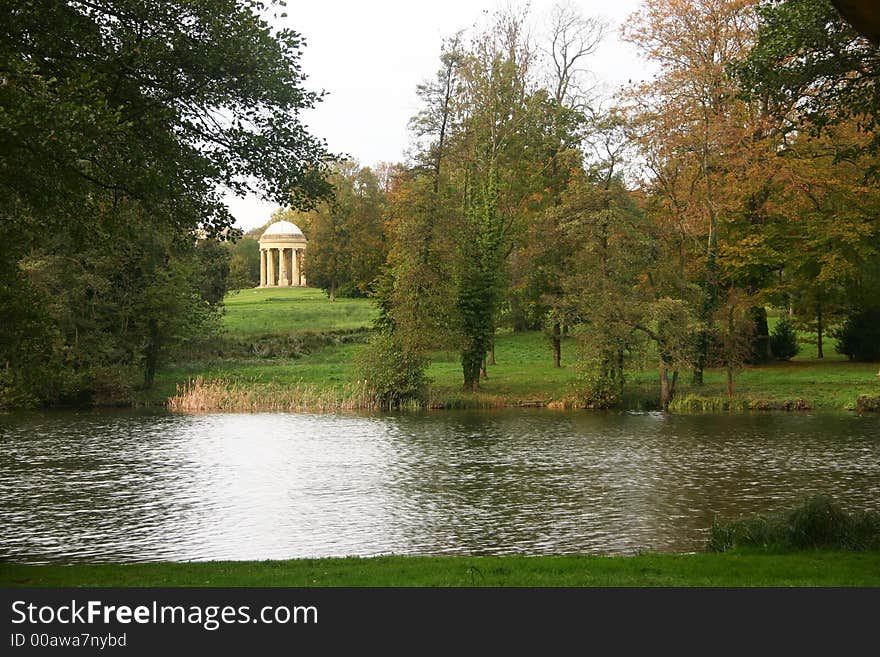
x=144, y=487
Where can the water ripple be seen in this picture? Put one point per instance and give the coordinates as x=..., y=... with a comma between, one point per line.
x=145, y=487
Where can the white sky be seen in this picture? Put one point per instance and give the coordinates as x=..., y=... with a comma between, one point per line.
x=370, y=56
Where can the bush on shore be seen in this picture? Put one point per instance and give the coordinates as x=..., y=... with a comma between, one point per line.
x=818, y=523
x=394, y=375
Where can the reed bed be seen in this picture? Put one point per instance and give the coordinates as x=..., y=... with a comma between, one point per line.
x=200, y=395
x=701, y=404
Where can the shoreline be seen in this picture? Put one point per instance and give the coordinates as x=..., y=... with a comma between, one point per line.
x=219, y=395
x=688, y=405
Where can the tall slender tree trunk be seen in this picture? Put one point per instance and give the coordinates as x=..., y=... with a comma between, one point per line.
x=697, y=376
x=556, y=339
x=711, y=293
x=665, y=389
x=333, y=290
x=492, y=350
x=819, y=330
x=731, y=324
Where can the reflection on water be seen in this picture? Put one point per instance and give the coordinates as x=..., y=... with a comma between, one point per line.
x=144, y=487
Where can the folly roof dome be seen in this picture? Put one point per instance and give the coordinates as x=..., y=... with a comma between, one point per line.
x=281, y=230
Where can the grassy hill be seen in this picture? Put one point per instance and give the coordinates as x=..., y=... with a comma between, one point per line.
x=292, y=309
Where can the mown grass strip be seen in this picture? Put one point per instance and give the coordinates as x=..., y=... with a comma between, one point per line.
x=729, y=569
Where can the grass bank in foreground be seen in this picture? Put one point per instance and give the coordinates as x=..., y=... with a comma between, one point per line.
x=730, y=569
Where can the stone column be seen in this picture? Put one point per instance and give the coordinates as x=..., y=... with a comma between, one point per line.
x=271, y=269
x=296, y=273
x=283, y=279
x=302, y=258
x=262, y=267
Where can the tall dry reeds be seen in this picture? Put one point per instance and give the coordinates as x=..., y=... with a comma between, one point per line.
x=219, y=395
x=200, y=395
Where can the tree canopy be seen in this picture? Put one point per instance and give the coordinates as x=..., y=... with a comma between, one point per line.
x=121, y=124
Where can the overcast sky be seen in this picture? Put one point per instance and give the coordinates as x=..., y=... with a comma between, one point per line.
x=370, y=56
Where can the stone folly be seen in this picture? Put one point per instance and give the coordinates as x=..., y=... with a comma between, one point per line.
x=282, y=248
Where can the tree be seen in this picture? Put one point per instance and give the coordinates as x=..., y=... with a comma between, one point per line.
x=613, y=247
x=783, y=340
x=116, y=114
x=462, y=206
x=557, y=134
x=810, y=66
x=347, y=243
x=162, y=104
x=709, y=152
x=244, y=264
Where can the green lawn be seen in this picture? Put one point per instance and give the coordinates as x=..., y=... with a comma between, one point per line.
x=291, y=309
x=524, y=371
x=731, y=569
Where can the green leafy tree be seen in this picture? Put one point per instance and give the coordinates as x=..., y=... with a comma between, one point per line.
x=783, y=340
x=811, y=67
x=120, y=121
x=347, y=234
x=244, y=264
x=859, y=336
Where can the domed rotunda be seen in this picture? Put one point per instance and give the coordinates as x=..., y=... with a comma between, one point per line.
x=282, y=248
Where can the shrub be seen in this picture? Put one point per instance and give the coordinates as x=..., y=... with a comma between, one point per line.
x=868, y=404
x=783, y=340
x=394, y=375
x=859, y=337
x=817, y=523
x=760, y=341
x=598, y=387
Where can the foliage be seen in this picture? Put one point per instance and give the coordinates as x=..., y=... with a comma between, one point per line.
x=868, y=404
x=244, y=264
x=859, y=336
x=107, y=314
x=119, y=123
x=212, y=265
x=818, y=523
x=496, y=145
x=347, y=245
x=698, y=140
x=783, y=340
x=810, y=66
x=600, y=378
x=393, y=374
x=123, y=96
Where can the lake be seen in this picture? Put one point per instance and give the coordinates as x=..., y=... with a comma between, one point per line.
x=137, y=486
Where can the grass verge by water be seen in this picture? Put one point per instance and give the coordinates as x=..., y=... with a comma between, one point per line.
x=731, y=569
x=302, y=347
x=525, y=375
